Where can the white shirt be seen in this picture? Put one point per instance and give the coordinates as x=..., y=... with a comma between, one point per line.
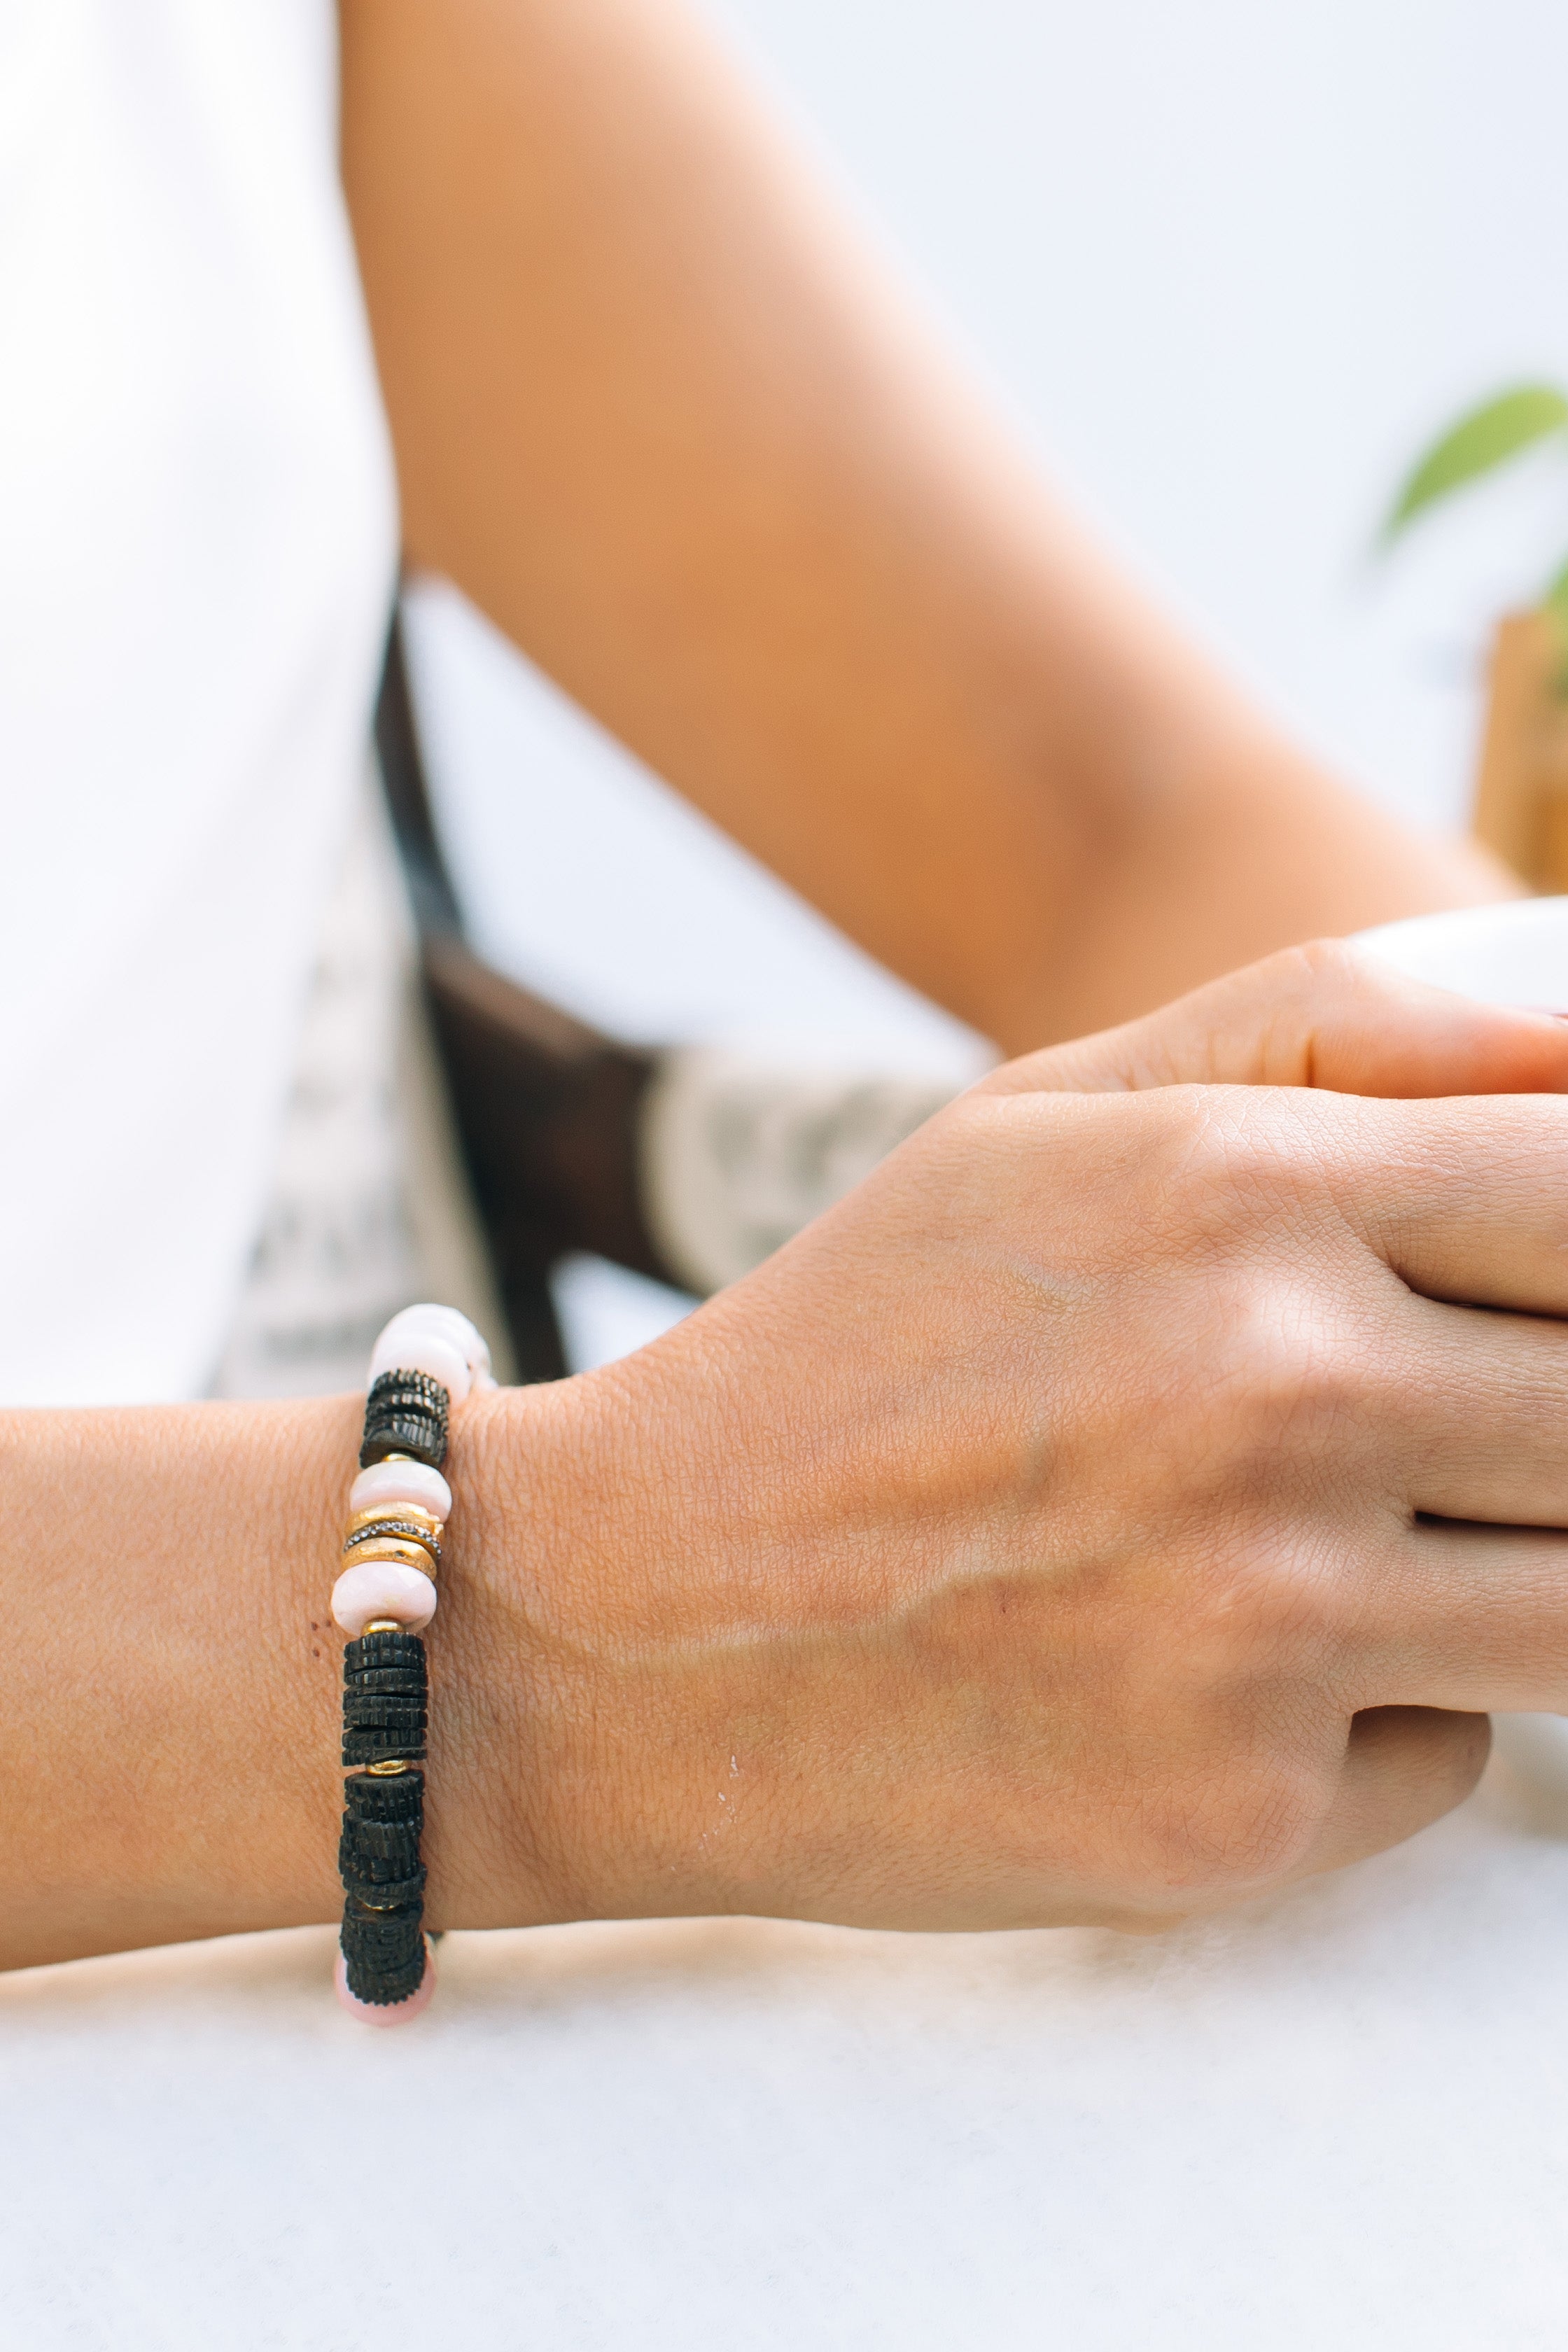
x=197, y=542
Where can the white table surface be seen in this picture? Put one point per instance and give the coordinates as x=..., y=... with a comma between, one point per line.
x=1340, y=2120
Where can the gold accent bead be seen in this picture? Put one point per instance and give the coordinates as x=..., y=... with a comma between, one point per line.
x=409, y=1515
x=389, y=1771
x=399, y=1547
x=381, y=1625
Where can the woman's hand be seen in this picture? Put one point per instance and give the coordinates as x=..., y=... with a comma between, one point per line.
x=1131, y=1498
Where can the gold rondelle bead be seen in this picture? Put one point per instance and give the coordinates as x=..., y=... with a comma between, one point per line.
x=398, y=1548
x=389, y=1771
x=381, y=1625
x=412, y=1515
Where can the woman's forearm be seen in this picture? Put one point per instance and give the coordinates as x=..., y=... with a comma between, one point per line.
x=659, y=416
x=164, y=1687
x=170, y=1676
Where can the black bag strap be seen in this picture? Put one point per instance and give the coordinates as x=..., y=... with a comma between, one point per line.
x=546, y=1108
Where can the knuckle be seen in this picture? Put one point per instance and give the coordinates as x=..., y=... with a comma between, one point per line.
x=1244, y=1164
x=1270, y=1400
x=1223, y=1836
x=1272, y=1607
x=1323, y=963
x=1298, y=975
x=1267, y=1630
x=1291, y=1375
x=1299, y=1367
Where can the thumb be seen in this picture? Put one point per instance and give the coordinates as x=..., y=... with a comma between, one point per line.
x=1322, y=1015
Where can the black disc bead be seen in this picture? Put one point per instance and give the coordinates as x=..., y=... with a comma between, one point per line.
x=383, y=1861
x=391, y=1845
x=387, y=1737
x=357, y=1868
x=382, y=1735
x=374, y=1746
x=406, y=1412
x=375, y=1925
x=383, y=1742
x=398, y=1797
x=383, y=1991
x=395, y=1682
x=384, y=1952
x=362, y=1708
x=383, y=1939
x=388, y=1894
x=373, y=1651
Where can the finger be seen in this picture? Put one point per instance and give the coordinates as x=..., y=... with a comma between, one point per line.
x=1485, y=1415
x=1327, y=1015
x=1405, y=1768
x=1465, y=1201
x=1467, y=1618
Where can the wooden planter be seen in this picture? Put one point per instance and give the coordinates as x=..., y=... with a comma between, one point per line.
x=1522, y=799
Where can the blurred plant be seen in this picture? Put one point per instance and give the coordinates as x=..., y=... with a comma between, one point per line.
x=1489, y=436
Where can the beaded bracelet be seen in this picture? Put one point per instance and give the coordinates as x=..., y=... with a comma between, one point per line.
x=426, y=1361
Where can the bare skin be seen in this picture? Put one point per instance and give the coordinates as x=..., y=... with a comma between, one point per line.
x=1047, y=1535
x=660, y=418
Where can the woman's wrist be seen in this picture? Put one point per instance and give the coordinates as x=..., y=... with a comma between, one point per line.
x=623, y=1628
x=171, y=1678
x=587, y=1684
x=536, y=1779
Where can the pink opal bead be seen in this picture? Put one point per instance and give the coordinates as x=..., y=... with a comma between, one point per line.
x=446, y=1323
x=383, y=1588
x=437, y=1341
x=422, y=1351
x=392, y=2013
x=402, y=1482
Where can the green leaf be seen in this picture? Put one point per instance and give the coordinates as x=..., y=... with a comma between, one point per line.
x=1555, y=598
x=1554, y=604
x=1488, y=438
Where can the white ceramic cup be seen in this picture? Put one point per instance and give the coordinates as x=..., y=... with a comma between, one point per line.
x=1512, y=954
